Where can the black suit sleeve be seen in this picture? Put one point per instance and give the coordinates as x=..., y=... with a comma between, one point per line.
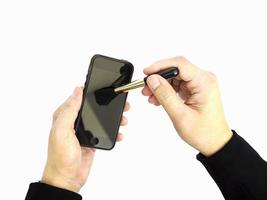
x=42, y=191
x=238, y=170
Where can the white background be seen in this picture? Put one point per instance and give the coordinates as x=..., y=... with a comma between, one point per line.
x=45, y=50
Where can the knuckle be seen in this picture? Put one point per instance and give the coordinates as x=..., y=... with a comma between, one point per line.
x=211, y=77
x=68, y=105
x=180, y=59
x=210, y=81
x=214, y=76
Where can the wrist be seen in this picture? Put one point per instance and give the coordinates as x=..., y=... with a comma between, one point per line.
x=216, y=142
x=55, y=179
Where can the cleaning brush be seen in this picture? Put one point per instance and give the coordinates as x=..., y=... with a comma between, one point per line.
x=105, y=95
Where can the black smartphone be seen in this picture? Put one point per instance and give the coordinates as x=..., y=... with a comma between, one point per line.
x=98, y=121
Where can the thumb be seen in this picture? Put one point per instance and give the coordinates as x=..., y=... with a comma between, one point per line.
x=68, y=111
x=166, y=96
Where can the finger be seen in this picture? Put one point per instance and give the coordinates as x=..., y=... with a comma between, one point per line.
x=59, y=110
x=119, y=137
x=166, y=96
x=146, y=91
x=175, y=83
x=88, y=150
x=157, y=103
x=124, y=121
x=187, y=71
x=152, y=99
x=69, y=110
x=184, y=92
x=127, y=106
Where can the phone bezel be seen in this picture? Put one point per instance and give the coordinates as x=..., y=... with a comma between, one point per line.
x=88, y=76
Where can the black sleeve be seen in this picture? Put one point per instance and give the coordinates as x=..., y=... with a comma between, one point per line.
x=238, y=170
x=42, y=191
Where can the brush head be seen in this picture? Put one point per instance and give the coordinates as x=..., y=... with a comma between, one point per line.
x=105, y=95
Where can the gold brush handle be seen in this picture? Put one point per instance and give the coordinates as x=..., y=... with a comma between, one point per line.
x=130, y=86
x=166, y=73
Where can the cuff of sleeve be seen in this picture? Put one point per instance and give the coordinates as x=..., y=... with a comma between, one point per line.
x=42, y=191
x=237, y=169
x=235, y=153
x=228, y=149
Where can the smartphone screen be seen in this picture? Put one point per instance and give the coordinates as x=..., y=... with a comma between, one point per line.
x=98, y=122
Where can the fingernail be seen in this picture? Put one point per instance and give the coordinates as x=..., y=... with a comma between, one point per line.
x=153, y=82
